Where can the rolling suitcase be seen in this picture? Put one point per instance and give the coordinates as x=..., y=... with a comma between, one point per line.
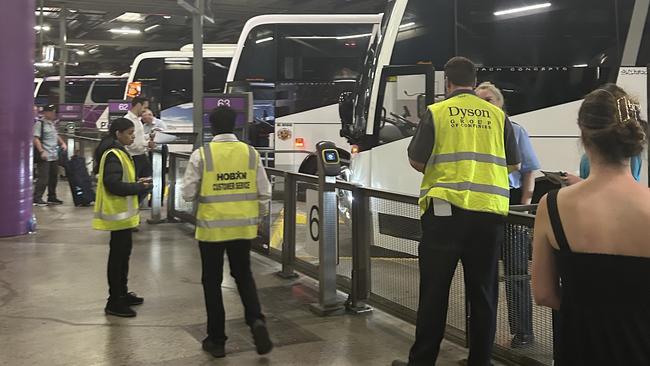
x=80, y=182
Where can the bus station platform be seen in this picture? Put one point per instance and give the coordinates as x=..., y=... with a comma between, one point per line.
x=53, y=291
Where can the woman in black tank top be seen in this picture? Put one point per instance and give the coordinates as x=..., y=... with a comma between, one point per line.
x=603, y=298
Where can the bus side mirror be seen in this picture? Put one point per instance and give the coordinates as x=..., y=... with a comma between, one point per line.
x=422, y=105
x=346, y=108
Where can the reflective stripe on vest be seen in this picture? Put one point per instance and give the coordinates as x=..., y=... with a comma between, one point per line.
x=106, y=204
x=468, y=166
x=226, y=223
x=228, y=206
x=454, y=157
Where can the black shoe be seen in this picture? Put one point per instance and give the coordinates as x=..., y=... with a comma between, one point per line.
x=263, y=343
x=522, y=340
x=399, y=363
x=54, y=201
x=119, y=308
x=217, y=350
x=39, y=202
x=132, y=299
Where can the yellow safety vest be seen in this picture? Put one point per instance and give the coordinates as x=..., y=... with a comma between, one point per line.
x=116, y=212
x=228, y=205
x=467, y=167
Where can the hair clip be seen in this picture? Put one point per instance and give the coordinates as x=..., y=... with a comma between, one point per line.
x=627, y=110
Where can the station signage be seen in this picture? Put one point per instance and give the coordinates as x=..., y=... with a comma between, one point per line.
x=70, y=112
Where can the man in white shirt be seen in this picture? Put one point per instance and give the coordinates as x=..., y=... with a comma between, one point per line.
x=142, y=144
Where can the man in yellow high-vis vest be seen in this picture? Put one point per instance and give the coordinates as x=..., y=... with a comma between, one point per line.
x=465, y=147
x=228, y=182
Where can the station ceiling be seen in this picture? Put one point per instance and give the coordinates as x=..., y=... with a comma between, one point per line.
x=158, y=25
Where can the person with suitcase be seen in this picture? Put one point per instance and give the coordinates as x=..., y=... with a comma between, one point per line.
x=116, y=210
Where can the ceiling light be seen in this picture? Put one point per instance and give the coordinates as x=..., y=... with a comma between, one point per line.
x=125, y=30
x=93, y=51
x=105, y=74
x=45, y=28
x=75, y=44
x=80, y=52
x=149, y=29
x=406, y=25
x=167, y=16
x=580, y=65
x=267, y=39
x=130, y=18
x=522, y=9
x=43, y=64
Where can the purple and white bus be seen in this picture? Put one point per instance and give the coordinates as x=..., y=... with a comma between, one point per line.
x=93, y=91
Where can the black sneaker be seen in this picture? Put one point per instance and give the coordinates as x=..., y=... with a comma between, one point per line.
x=263, y=343
x=132, y=299
x=119, y=308
x=39, y=202
x=217, y=350
x=522, y=340
x=54, y=201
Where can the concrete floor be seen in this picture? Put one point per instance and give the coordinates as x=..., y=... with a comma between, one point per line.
x=53, y=290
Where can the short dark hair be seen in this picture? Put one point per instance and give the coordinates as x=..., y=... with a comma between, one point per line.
x=461, y=71
x=138, y=100
x=222, y=120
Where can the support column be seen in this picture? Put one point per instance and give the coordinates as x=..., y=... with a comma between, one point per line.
x=63, y=59
x=16, y=115
x=197, y=72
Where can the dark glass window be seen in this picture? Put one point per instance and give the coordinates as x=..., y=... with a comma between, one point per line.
x=75, y=91
x=167, y=82
x=103, y=90
x=258, y=60
x=303, y=52
x=569, y=32
x=321, y=52
x=426, y=33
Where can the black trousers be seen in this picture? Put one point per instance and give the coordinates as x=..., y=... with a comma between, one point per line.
x=475, y=239
x=118, y=263
x=516, y=254
x=142, y=169
x=240, y=268
x=48, y=177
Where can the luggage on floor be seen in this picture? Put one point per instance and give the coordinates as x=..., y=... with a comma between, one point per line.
x=80, y=182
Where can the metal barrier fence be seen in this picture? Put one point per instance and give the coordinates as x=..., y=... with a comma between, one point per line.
x=377, y=256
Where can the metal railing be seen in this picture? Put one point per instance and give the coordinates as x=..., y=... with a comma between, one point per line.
x=379, y=233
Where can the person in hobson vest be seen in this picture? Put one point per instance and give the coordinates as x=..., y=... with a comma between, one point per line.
x=227, y=180
x=116, y=210
x=465, y=148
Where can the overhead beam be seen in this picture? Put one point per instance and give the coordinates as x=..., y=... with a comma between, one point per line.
x=120, y=43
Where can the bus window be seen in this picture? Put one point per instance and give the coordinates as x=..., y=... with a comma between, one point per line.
x=103, y=90
x=321, y=52
x=258, y=58
x=75, y=91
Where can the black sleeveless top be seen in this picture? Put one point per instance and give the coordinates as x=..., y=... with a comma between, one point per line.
x=605, y=311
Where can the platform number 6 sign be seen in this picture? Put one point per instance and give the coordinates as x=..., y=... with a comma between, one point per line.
x=314, y=223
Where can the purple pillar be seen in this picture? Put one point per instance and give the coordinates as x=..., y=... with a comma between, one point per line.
x=17, y=39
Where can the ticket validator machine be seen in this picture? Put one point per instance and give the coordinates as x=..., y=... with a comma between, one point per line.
x=329, y=167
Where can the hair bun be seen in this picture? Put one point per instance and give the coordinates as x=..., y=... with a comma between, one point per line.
x=611, y=123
